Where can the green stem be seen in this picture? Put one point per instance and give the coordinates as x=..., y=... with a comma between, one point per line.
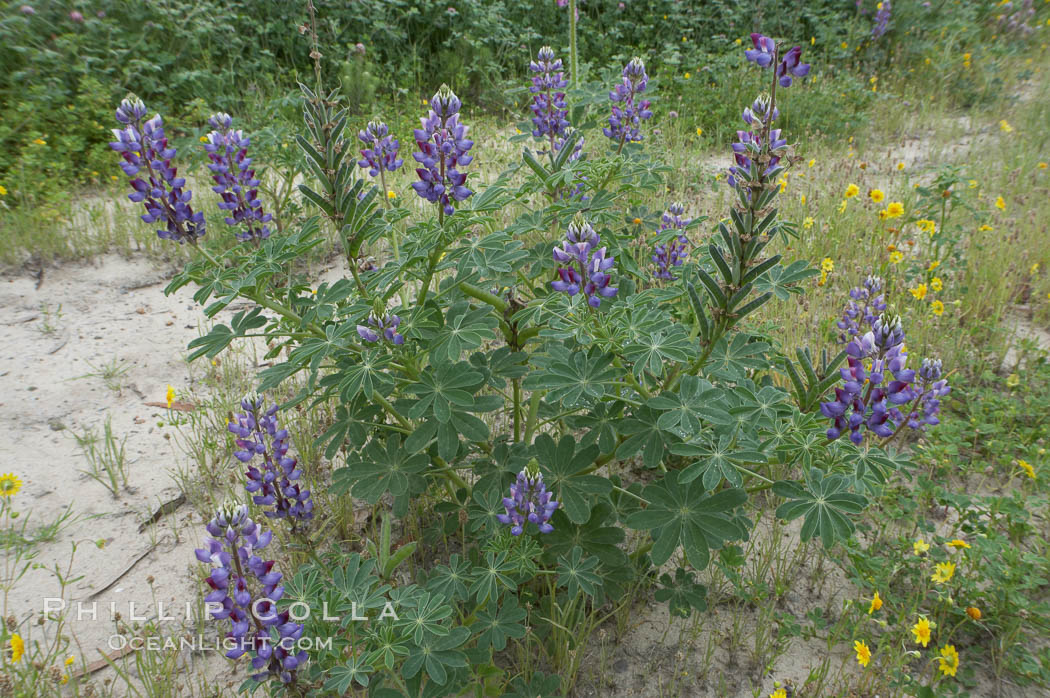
x=530, y=421
x=574, y=68
x=483, y=296
x=517, y=409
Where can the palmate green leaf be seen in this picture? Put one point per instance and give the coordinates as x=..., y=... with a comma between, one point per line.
x=498, y=622
x=500, y=366
x=682, y=594
x=491, y=577
x=825, y=502
x=365, y=375
x=562, y=466
x=482, y=513
x=463, y=330
x=696, y=398
x=683, y=514
x=650, y=352
x=577, y=573
x=425, y=618
x=731, y=360
x=451, y=580
x=600, y=424
x=715, y=456
x=380, y=468
x=438, y=654
x=783, y=281
x=342, y=675
x=442, y=387
x=573, y=377
x=221, y=336
x=644, y=434
x=603, y=542
x=541, y=686
x=490, y=255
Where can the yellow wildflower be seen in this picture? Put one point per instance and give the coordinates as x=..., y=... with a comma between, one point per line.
x=1042, y=166
x=842, y=206
x=18, y=648
x=958, y=544
x=949, y=660
x=921, y=630
x=937, y=307
x=813, y=161
x=812, y=41
x=827, y=264
x=1025, y=465
x=391, y=194
x=40, y=141
x=1013, y=380
x=637, y=221
x=808, y=222
x=851, y=191
x=900, y=166
x=1033, y=269
x=920, y=547
x=779, y=693
x=985, y=228
x=944, y=572
x=894, y=209
x=70, y=659
x=926, y=225
x=844, y=45
x=1004, y=126
x=9, y=485
x=973, y=184
x=738, y=41
x=1000, y=203
x=699, y=131
x=783, y=184
x=688, y=75
x=863, y=653
x=802, y=199
x=204, y=139
x=876, y=195
x=170, y=396
x=919, y=291
x=935, y=283
x=876, y=603
x=973, y=612
x=896, y=257
x=3, y=191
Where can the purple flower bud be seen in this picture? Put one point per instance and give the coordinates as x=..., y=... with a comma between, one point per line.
x=584, y=267
x=235, y=180
x=529, y=502
x=380, y=152
x=443, y=146
x=628, y=110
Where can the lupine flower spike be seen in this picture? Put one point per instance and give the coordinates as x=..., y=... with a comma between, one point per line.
x=147, y=161
x=676, y=251
x=765, y=53
x=380, y=152
x=245, y=589
x=274, y=482
x=385, y=327
x=235, y=180
x=443, y=146
x=584, y=266
x=863, y=308
x=548, y=99
x=529, y=502
x=629, y=110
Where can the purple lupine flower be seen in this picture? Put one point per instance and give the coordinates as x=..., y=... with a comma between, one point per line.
x=882, y=19
x=380, y=151
x=584, y=266
x=628, y=110
x=765, y=53
x=865, y=305
x=676, y=251
x=548, y=106
x=386, y=327
x=162, y=192
x=750, y=144
x=529, y=502
x=443, y=146
x=245, y=590
x=235, y=180
x=274, y=483
x=877, y=384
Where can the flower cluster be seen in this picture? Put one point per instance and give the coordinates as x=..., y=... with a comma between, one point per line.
x=882, y=19
x=628, y=110
x=548, y=102
x=235, y=179
x=443, y=146
x=380, y=151
x=865, y=305
x=245, y=589
x=274, y=483
x=529, y=501
x=765, y=54
x=675, y=252
x=879, y=392
x=146, y=152
x=750, y=144
x=584, y=265
x=387, y=326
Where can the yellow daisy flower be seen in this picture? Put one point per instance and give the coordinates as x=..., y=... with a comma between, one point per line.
x=944, y=572
x=919, y=291
x=842, y=206
x=1025, y=465
x=18, y=648
x=1043, y=166
x=900, y=166
x=876, y=195
x=391, y=194
x=958, y=544
x=863, y=652
x=894, y=209
x=985, y=228
x=699, y=131
x=813, y=161
x=926, y=225
x=3, y=191
x=896, y=257
x=876, y=603
x=851, y=191
x=40, y=141
x=1000, y=203
x=688, y=75
x=170, y=396
x=808, y=222
x=827, y=264
x=973, y=612
x=9, y=485
x=920, y=547
x=1005, y=127
x=921, y=630
x=779, y=693
x=937, y=307
x=949, y=660
x=935, y=283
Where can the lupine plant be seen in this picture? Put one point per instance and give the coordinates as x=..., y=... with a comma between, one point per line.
x=517, y=381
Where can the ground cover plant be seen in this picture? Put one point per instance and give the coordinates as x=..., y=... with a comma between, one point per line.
x=550, y=389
